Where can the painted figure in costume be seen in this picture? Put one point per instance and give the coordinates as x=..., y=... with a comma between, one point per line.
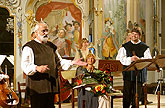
x=70, y=37
x=110, y=44
x=62, y=43
x=68, y=28
x=76, y=31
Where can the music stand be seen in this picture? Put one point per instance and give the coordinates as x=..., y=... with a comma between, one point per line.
x=159, y=62
x=136, y=66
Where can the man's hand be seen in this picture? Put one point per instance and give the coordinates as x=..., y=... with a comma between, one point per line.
x=42, y=68
x=79, y=62
x=134, y=58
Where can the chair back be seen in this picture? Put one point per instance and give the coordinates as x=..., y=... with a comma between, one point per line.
x=23, y=101
x=21, y=87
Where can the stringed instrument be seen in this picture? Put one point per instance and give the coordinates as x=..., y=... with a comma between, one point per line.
x=64, y=92
x=8, y=97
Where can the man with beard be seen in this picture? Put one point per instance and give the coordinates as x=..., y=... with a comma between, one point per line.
x=41, y=62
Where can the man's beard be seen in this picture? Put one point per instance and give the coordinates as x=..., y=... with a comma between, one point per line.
x=43, y=38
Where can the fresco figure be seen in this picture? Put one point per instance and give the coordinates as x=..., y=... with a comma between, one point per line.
x=62, y=43
x=70, y=37
x=110, y=44
x=76, y=32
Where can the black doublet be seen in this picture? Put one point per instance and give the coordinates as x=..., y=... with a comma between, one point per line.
x=139, y=50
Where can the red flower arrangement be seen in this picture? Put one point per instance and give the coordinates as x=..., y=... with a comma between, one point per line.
x=102, y=78
x=79, y=82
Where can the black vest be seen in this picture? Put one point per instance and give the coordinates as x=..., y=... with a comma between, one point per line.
x=44, y=54
x=139, y=50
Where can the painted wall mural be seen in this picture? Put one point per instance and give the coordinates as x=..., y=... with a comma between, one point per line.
x=114, y=28
x=64, y=16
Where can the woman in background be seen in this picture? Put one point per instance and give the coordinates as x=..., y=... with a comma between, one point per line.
x=82, y=53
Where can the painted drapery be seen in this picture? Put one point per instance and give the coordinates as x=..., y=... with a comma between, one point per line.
x=45, y=11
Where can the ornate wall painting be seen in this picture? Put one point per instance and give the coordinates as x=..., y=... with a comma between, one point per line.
x=114, y=28
x=65, y=16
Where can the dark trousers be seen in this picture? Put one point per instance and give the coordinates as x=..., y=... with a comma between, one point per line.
x=142, y=95
x=129, y=92
x=45, y=100
x=91, y=101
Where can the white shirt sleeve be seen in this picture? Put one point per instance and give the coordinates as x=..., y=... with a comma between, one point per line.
x=123, y=57
x=65, y=64
x=27, y=63
x=147, y=54
x=127, y=60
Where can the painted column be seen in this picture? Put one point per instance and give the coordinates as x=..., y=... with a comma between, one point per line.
x=85, y=19
x=128, y=11
x=132, y=10
x=149, y=24
x=149, y=36
x=135, y=18
x=100, y=18
x=19, y=72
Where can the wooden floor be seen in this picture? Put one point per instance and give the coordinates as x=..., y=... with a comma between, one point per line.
x=118, y=102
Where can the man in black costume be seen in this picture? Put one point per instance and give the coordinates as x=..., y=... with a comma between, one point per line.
x=128, y=53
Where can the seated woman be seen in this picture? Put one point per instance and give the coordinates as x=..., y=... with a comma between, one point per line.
x=92, y=101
